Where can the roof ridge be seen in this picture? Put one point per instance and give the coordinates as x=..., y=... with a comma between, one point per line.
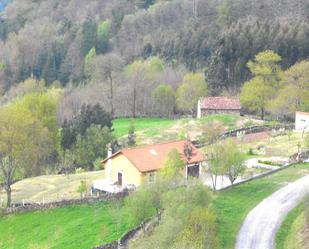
x=149, y=145
x=208, y=97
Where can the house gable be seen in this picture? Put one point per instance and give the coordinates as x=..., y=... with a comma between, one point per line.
x=121, y=164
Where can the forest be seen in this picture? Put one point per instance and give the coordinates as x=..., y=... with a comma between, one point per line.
x=117, y=53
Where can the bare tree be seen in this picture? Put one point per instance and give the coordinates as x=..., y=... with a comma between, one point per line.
x=105, y=66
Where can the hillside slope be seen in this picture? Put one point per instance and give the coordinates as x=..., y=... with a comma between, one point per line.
x=49, y=39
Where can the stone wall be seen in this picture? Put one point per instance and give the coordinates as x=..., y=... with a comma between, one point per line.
x=57, y=204
x=206, y=112
x=299, y=157
x=123, y=242
x=113, y=245
x=248, y=130
x=294, y=159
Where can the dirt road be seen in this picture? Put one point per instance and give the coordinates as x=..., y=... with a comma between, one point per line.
x=262, y=223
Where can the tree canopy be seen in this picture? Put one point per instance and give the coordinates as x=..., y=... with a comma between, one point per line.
x=257, y=93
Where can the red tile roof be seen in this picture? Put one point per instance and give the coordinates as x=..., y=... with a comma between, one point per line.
x=220, y=103
x=152, y=157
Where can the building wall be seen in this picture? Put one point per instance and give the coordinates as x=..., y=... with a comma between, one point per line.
x=130, y=174
x=302, y=121
x=146, y=177
x=206, y=112
x=199, y=114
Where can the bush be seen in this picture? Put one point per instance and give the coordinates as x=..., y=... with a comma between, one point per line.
x=278, y=133
x=79, y=170
x=269, y=163
x=82, y=188
x=187, y=221
x=250, y=152
x=97, y=164
x=248, y=123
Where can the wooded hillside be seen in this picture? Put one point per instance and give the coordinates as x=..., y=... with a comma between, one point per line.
x=87, y=46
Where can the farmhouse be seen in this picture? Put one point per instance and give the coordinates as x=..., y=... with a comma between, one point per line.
x=212, y=105
x=133, y=166
x=302, y=121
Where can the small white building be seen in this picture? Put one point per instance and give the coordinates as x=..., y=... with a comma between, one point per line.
x=302, y=121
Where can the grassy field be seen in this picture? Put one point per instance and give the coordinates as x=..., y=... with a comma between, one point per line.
x=121, y=126
x=152, y=130
x=80, y=226
x=84, y=226
x=232, y=206
x=289, y=235
x=277, y=146
x=51, y=187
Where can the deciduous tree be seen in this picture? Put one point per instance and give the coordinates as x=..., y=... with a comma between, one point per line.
x=163, y=97
x=18, y=129
x=212, y=131
x=105, y=68
x=141, y=75
x=192, y=88
x=103, y=36
x=234, y=160
x=216, y=163
x=294, y=95
x=199, y=231
x=257, y=93
x=88, y=65
x=171, y=172
x=140, y=205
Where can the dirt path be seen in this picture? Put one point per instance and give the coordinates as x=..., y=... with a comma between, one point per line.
x=260, y=226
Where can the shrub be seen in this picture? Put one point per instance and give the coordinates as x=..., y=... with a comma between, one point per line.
x=82, y=188
x=250, y=152
x=269, y=162
x=79, y=170
x=97, y=164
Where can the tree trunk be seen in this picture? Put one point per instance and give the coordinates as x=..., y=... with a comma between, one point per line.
x=134, y=103
x=8, y=191
x=214, y=181
x=194, y=10
x=111, y=94
x=144, y=228
x=262, y=113
x=193, y=112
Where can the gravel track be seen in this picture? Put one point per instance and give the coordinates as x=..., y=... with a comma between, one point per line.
x=262, y=223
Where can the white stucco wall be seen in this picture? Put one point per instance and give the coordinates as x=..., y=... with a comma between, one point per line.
x=302, y=121
x=199, y=109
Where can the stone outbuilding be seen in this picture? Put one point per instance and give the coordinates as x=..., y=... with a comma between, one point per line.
x=214, y=105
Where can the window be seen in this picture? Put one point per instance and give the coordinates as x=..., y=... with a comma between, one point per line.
x=151, y=177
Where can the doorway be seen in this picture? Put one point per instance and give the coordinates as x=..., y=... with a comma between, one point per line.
x=193, y=171
x=119, y=181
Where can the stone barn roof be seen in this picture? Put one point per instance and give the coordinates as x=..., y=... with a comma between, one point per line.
x=220, y=103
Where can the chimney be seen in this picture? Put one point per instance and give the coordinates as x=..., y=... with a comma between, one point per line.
x=109, y=164
x=109, y=151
